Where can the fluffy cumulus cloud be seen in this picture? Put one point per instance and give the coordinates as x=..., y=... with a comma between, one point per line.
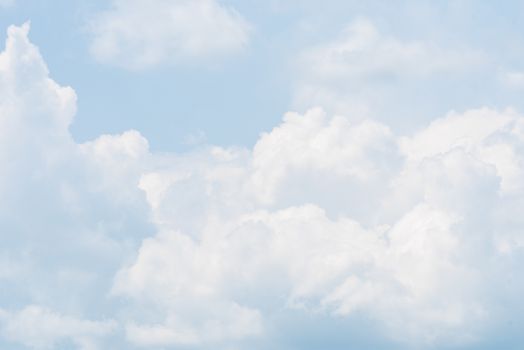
x=139, y=34
x=324, y=222
x=65, y=219
x=285, y=227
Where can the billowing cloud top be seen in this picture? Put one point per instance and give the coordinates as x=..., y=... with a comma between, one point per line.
x=396, y=241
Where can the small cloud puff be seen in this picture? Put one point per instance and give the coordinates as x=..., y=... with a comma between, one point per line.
x=140, y=34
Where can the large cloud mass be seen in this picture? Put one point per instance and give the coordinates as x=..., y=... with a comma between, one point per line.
x=324, y=221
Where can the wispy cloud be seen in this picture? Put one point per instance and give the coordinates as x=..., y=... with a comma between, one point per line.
x=363, y=66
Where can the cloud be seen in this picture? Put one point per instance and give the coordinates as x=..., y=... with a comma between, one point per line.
x=362, y=66
x=514, y=79
x=420, y=260
x=324, y=221
x=362, y=52
x=61, y=210
x=40, y=328
x=141, y=34
x=362, y=152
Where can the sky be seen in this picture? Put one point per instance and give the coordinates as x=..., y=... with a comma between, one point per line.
x=280, y=174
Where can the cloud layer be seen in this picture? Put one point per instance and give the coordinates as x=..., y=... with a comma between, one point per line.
x=108, y=245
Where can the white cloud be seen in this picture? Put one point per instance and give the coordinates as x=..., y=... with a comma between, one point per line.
x=324, y=217
x=61, y=224
x=139, y=34
x=362, y=52
x=313, y=144
x=359, y=69
x=219, y=322
x=419, y=259
x=492, y=140
x=41, y=328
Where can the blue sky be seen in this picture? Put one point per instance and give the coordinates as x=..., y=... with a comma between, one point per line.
x=281, y=174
